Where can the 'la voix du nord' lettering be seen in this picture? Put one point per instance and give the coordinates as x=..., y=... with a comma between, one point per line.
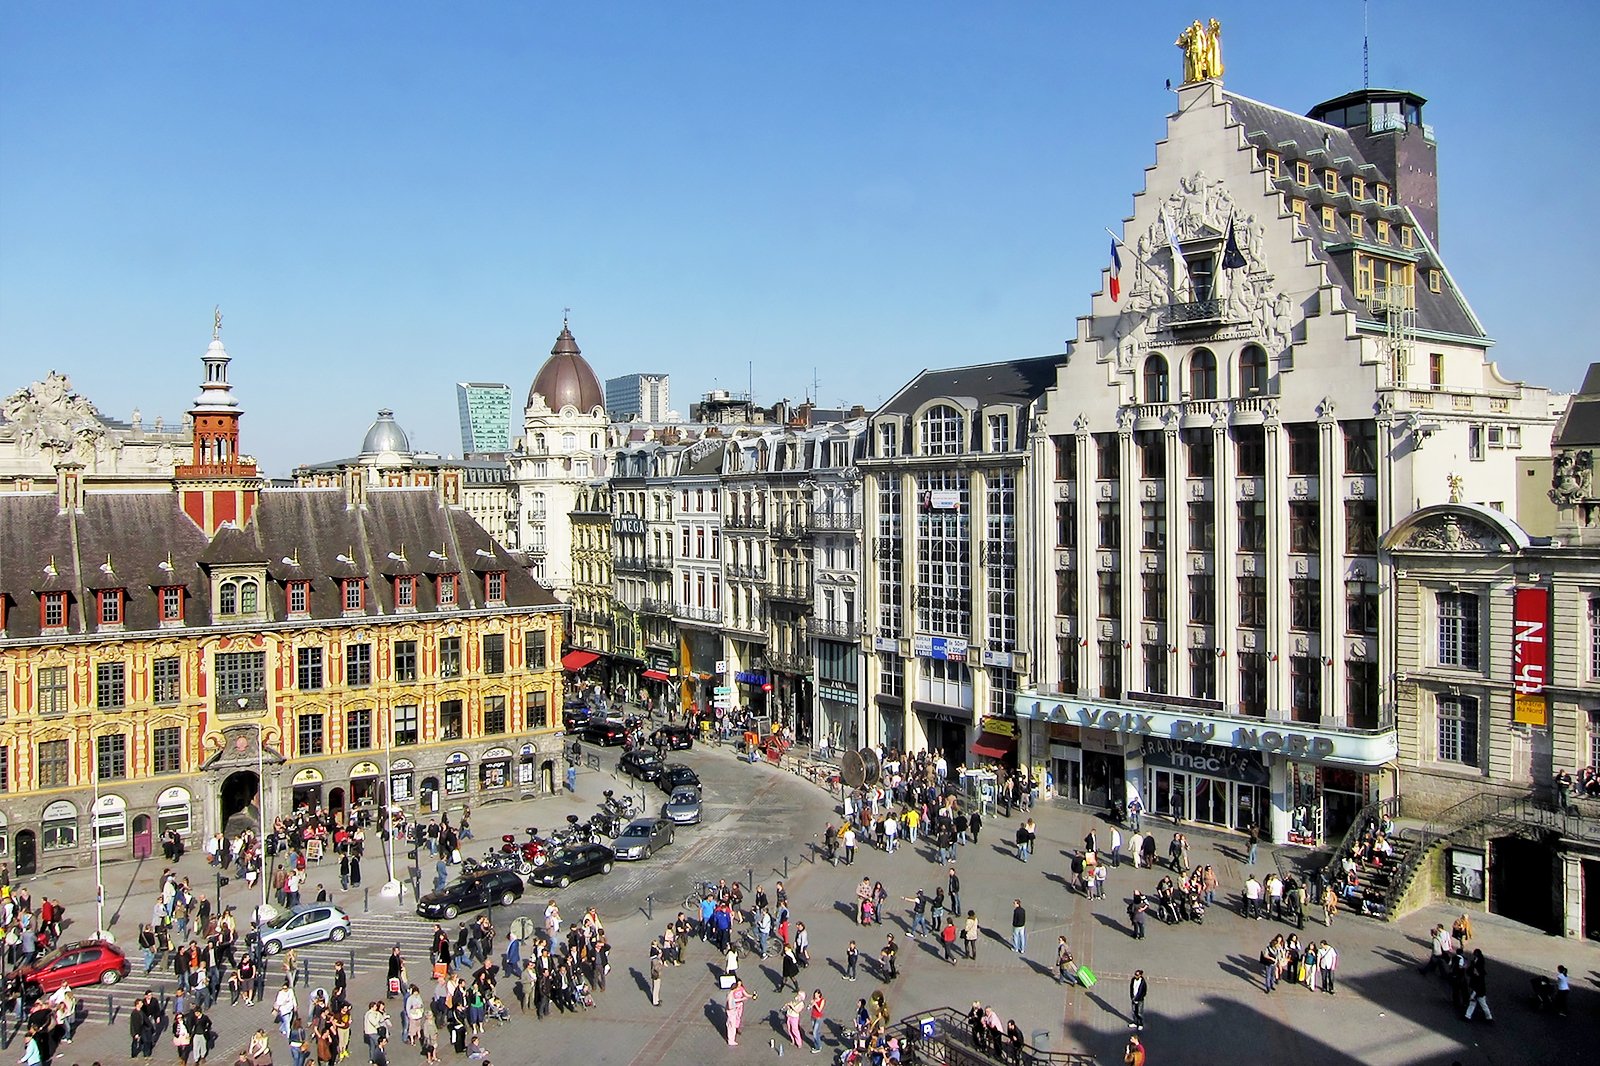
x=1294, y=745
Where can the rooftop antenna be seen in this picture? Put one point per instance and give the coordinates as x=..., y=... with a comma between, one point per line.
x=749, y=379
x=1366, y=81
x=816, y=387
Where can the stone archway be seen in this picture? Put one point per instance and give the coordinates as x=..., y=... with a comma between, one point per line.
x=239, y=803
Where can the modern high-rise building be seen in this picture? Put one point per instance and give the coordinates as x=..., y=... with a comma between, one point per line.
x=641, y=396
x=485, y=410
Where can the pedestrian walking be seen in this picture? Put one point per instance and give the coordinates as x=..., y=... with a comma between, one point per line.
x=1116, y=846
x=947, y=937
x=969, y=935
x=1138, y=908
x=1254, y=838
x=852, y=956
x=1328, y=961
x=1438, y=950
x=1138, y=988
x=953, y=883
x=1066, y=969
x=889, y=958
x=1133, y=1054
x=1478, y=987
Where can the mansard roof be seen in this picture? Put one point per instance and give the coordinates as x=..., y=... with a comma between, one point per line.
x=1017, y=381
x=1298, y=138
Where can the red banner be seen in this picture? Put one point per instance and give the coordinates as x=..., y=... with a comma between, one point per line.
x=1530, y=656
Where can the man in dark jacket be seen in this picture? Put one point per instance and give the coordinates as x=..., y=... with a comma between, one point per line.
x=1138, y=988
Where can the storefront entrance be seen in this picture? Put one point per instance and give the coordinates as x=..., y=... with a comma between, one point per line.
x=241, y=803
x=1103, y=775
x=27, y=852
x=1324, y=801
x=1205, y=784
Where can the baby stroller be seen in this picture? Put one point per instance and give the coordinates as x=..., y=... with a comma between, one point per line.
x=495, y=1008
x=1195, y=909
x=582, y=994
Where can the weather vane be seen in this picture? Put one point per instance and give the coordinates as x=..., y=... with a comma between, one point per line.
x=216, y=322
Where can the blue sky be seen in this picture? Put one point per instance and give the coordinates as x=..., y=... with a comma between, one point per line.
x=388, y=198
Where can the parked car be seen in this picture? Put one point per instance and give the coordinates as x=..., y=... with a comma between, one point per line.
x=574, y=864
x=86, y=962
x=310, y=924
x=604, y=731
x=573, y=719
x=473, y=892
x=673, y=737
x=683, y=807
x=644, y=765
x=642, y=838
x=676, y=776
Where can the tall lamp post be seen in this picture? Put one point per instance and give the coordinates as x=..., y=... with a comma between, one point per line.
x=391, y=887
x=94, y=839
x=261, y=806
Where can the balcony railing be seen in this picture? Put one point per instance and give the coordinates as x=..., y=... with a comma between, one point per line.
x=241, y=702
x=825, y=522
x=789, y=527
x=1195, y=313
x=658, y=562
x=699, y=614
x=650, y=605
x=630, y=563
x=747, y=572
x=789, y=591
x=745, y=521
x=790, y=663
x=842, y=629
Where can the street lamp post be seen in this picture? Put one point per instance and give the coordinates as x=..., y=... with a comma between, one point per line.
x=261, y=806
x=391, y=887
x=94, y=840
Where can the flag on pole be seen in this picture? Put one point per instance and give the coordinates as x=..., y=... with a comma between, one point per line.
x=1180, y=269
x=1116, y=273
x=1232, y=257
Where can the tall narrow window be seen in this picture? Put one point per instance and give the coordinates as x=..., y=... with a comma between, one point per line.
x=1202, y=673
x=1252, y=371
x=1202, y=375
x=1155, y=379
x=1458, y=630
x=1360, y=446
x=166, y=680
x=1303, y=459
x=110, y=686
x=1110, y=670
x=1253, y=683
x=358, y=665
x=1458, y=730
x=1253, y=601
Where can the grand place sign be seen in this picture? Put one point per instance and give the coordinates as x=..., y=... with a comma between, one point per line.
x=1294, y=740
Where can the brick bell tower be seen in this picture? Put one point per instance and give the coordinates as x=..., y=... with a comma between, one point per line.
x=218, y=484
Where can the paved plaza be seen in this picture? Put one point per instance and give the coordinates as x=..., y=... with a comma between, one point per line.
x=1206, y=1003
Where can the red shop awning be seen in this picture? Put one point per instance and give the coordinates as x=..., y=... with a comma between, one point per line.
x=994, y=745
x=656, y=675
x=577, y=660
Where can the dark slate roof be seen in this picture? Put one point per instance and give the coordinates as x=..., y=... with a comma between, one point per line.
x=137, y=531
x=1019, y=381
x=1580, y=425
x=1297, y=137
x=295, y=534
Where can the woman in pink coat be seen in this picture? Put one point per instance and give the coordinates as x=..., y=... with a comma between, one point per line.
x=738, y=996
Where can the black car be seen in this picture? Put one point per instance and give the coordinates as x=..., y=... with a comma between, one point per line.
x=573, y=719
x=605, y=733
x=641, y=764
x=673, y=737
x=574, y=864
x=676, y=776
x=473, y=892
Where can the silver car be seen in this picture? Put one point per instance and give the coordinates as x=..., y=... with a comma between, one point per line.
x=683, y=808
x=642, y=838
x=310, y=924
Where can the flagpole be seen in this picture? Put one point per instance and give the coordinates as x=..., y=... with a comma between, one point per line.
x=1124, y=246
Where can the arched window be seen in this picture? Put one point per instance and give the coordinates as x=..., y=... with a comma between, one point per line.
x=1155, y=379
x=569, y=442
x=247, y=597
x=939, y=431
x=1202, y=375
x=1252, y=371
x=228, y=598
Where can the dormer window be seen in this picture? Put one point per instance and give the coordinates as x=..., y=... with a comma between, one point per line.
x=888, y=440
x=354, y=592
x=298, y=598
x=108, y=606
x=170, y=604
x=494, y=586
x=238, y=595
x=1329, y=218
x=405, y=593
x=1275, y=164
x=1408, y=237
x=999, y=432
x=1302, y=173
x=939, y=431
x=449, y=585
x=1298, y=209
x=1330, y=181
x=1358, y=225
x=1383, y=231
x=53, y=610
x=1382, y=193
x=1358, y=188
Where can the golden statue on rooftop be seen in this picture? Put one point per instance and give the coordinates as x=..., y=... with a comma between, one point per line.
x=1202, y=51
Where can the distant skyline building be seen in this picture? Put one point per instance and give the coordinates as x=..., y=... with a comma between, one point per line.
x=485, y=411
x=641, y=396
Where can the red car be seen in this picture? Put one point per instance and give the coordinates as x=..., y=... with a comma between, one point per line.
x=88, y=962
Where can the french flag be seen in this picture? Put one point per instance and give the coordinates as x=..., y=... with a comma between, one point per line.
x=1116, y=273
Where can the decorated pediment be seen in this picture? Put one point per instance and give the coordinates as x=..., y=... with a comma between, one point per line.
x=1451, y=532
x=49, y=417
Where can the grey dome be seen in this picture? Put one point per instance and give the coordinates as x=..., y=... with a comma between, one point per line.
x=385, y=435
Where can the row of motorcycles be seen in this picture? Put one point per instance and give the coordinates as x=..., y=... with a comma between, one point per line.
x=524, y=857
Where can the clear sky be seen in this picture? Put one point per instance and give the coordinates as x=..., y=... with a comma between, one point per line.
x=386, y=198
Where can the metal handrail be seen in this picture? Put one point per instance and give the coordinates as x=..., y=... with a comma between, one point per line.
x=952, y=1043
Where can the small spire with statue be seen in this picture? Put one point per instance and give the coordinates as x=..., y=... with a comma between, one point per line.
x=1202, y=51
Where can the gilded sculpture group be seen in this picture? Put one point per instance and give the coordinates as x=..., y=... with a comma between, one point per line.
x=1202, y=51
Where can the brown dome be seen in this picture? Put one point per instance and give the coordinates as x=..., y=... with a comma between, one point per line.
x=567, y=379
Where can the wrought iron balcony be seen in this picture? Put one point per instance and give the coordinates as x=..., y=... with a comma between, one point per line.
x=699, y=614
x=789, y=591
x=658, y=562
x=789, y=663
x=650, y=605
x=745, y=521
x=1192, y=315
x=789, y=527
x=631, y=563
x=840, y=628
x=747, y=572
x=825, y=522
